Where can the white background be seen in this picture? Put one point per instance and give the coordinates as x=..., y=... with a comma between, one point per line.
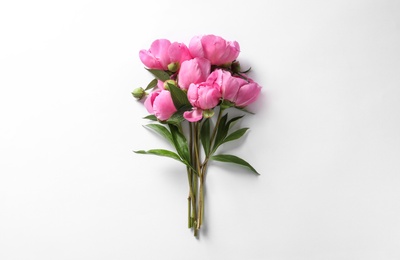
x=325, y=136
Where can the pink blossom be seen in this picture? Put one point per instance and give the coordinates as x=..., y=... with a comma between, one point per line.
x=247, y=94
x=157, y=56
x=229, y=86
x=239, y=91
x=162, y=53
x=202, y=96
x=179, y=52
x=160, y=104
x=193, y=71
x=214, y=48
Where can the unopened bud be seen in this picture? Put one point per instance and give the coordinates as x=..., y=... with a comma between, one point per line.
x=169, y=81
x=138, y=93
x=173, y=66
x=235, y=67
x=208, y=113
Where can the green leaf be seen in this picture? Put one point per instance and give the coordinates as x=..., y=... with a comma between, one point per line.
x=159, y=74
x=151, y=117
x=233, y=121
x=235, y=135
x=165, y=153
x=177, y=118
x=179, y=97
x=161, y=130
x=152, y=84
x=180, y=143
x=245, y=110
x=205, y=136
x=233, y=159
x=161, y=152
x=246, y=70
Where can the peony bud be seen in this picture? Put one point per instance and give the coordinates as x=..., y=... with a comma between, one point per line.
x=157, y=56
x=169, y=81
x=138, y=93
x=160, y=104
x=235, y=67
x=173, y=66
x=208, y=113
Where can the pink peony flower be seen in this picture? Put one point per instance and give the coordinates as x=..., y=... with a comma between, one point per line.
x=247, y=94
x=214, y=48
x=239, y=91
x=157, y=56
x=202, y=96
x=229, y=86
x=162, y=53
x=160, y=104
x=193, y=71
x=179, y=52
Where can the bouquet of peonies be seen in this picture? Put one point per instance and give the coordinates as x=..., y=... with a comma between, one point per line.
x=192, y=86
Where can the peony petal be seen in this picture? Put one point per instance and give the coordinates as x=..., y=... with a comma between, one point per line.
x=149, y=60
x=192, y=94
x=247, y=94
x=195, y=47
x=232, y=87
x=157, y=56
x=209, y=96
x=179, y=52
x=214, y=48
x=163, y=105
x=148, y=103
x=193, y=71
x=193, y=115
x=159, y=48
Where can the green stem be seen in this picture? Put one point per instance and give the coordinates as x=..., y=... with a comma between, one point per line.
x=221, y=110
x=192, y=182
x=197, y=147
x=201, y=202
x=189, y=211
x=195, y=229
x=194, y=197
x=203, y=168
x=200, y=174
x=213, y=135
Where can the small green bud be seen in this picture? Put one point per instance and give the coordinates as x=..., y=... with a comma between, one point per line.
x=235, y=67
x=138, y=93
x=173, y=66
x=208, y=113
x=169, y=81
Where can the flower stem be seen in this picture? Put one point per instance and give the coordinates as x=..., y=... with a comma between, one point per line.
x=221, y=110
x=200, y=174
x=201, y=202
x=212, y=139
x=192, y=178
x=189, y=211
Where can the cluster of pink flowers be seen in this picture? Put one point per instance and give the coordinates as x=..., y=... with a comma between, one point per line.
x=190, y=82
x=206, y=70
